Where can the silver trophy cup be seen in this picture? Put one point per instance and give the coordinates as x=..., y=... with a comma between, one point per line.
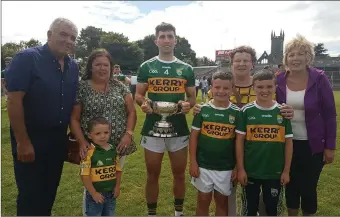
x=163, y=128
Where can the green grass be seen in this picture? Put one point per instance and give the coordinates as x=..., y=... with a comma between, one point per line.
x=132, y=198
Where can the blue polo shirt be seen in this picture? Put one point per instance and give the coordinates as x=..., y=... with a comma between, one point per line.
x=49, y=92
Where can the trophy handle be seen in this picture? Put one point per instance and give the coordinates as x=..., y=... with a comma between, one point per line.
x=179, y=109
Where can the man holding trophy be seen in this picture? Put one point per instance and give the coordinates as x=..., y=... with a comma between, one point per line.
x=170, y=85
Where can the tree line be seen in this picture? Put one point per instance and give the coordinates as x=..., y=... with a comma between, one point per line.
x=128, y=54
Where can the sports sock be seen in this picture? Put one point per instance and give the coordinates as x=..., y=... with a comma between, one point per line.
x=178, y=207
x=152, y=207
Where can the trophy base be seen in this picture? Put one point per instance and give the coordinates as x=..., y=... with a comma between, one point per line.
x=163, y=129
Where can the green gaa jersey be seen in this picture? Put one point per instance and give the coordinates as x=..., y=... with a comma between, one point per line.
x=216, y=142
x=265, y=133
x=121, y=77
x=166, y=81
x=101, y=165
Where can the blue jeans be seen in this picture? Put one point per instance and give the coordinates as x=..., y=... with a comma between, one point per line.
x=96, y=209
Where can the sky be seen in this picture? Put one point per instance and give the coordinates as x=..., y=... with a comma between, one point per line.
x=208, y=25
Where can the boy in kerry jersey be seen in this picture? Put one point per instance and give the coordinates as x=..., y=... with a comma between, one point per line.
x=264, y=149
x=212, y=148
x=100, y=171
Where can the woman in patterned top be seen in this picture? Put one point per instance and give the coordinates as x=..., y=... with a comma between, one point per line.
x=99, y=95
x=243, y=59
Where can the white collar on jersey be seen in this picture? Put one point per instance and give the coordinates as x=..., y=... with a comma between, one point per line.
x=262, y=108
x=219, y=108
x=164, y=61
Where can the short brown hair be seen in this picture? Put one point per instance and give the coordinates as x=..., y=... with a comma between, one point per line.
x=165, y=27
x=222, y=75
x=95, y=121
x=264, y=74
x=116, y=66
x=244, y=49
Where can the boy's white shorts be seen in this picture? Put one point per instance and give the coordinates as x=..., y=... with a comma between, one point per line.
x=210, y=180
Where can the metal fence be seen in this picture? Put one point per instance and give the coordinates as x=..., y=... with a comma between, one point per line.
x=334, y=79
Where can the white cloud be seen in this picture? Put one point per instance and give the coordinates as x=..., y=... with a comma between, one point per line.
x=207, y=25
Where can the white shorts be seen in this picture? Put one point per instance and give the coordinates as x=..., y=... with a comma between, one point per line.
x=160, y=145
x=210, y=180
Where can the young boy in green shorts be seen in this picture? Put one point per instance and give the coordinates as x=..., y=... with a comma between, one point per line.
x=212, y=147
x=100, y=171
x=264, y=148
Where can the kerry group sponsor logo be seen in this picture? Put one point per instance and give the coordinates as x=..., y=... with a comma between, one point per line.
x=217, y=130
x=103, y=173
x=166, y=85
x=266, y=133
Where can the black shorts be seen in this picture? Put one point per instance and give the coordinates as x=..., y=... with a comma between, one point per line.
x=272, y=191
x=304, y=176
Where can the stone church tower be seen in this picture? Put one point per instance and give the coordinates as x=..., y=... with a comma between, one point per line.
x=276, y=52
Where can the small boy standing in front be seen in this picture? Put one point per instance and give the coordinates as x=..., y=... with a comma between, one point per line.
x=100, y=171
x=264, y=149
x=212, y=148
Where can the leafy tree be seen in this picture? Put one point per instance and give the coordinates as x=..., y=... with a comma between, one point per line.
x=10, y=49
x=182, y=50
x=87, y=41
x=149, y=47
x=28, y=44
x=112, y=38
x=320, y=50
x=133, y=57
x=128, y=55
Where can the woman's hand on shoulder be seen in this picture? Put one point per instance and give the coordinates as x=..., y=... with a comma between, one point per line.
x=287, y=111
x=83, y=148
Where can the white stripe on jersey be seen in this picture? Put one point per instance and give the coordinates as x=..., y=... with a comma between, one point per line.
x=184, y=63
x=149, y=61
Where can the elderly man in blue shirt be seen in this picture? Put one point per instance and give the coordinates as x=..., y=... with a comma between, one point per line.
x=41, y=83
